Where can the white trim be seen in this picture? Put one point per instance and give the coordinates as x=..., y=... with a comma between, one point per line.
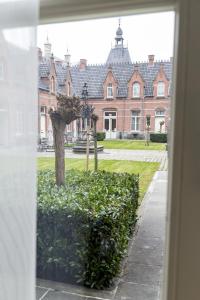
x=52, y=11
x=182, y=270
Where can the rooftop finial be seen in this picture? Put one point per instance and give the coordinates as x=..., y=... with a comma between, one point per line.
x=47, y=48
x=119, y=36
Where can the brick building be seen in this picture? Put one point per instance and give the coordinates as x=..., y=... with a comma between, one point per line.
x=124, y=94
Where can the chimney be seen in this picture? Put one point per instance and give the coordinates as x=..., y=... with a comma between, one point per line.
x=47, y=49
x=83, y=64
x=151, y=59
x=39, y=54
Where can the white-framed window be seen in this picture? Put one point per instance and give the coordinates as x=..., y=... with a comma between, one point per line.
x=1, y=71
x=160, y=113
x=135, y=122
x=110, y=120
x=161, y=89
x=110, y=90
x=136, y=90
x=43, y=110
x=53, y=86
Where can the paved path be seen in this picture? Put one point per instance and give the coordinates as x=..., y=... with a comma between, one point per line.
x=118, y=154
x=142, y=273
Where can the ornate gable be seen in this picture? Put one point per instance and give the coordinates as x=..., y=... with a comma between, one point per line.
x=110, y=85
x=136, y=80
x=161, y=82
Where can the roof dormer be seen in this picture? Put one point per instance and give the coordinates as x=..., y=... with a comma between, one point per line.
x=136, y=84
x=110, y=85
x=161, y=84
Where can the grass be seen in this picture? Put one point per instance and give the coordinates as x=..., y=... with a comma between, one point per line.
x=131, y=145
x=146, y=170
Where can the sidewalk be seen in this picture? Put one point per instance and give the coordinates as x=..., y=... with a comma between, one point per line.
x=142, y=274
x=119, y=154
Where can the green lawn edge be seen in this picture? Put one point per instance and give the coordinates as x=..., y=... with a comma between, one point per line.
x=132, y=145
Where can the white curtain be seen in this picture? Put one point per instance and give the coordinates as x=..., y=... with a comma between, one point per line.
x=18, y=135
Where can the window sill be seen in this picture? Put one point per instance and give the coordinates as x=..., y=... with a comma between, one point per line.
x=161, y=97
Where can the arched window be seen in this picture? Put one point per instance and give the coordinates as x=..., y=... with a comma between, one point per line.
x=110, y=90
x=53, y=87
x=161, y=89
x=136, y=90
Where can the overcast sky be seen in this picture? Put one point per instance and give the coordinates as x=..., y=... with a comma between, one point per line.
x=144, y=34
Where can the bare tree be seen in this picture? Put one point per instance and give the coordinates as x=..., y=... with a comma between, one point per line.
x=68, y=110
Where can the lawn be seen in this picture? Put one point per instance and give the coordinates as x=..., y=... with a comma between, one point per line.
x=131, y=145
x=146, y=170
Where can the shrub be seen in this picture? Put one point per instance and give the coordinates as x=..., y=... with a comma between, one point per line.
x=158, y=137
x=101, y=136
x=84, y=227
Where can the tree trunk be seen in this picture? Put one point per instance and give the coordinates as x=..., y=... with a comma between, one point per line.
x=58, y=134
x=95, y=147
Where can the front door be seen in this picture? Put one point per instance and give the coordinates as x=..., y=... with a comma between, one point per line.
x=110, y=125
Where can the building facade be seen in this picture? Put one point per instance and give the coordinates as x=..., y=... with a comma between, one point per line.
x=125, y=94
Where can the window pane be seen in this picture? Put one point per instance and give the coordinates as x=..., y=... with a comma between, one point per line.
x=136, y=89
x=135, y=113
x=113, y=124
x=106, y=122
x=110, y=113
x=161, y=88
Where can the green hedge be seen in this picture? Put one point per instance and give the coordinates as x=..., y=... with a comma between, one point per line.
x=158, y=137
x=83, y=228
x=101, y=136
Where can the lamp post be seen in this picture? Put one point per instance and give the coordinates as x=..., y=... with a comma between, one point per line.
x=86, y=114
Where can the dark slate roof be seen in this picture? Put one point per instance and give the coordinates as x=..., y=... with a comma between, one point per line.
x=95, y=75
x=119, y=55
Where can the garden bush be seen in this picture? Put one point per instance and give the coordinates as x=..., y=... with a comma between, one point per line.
x=158, y=137
x=84, y=227
x=101, y=136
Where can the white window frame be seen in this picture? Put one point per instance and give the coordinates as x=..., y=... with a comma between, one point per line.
x=136, y=95
x=182, y=241
x=43, y=110
x=110, y=90
x=110, y=117
x=136, y=122
x=160, y=89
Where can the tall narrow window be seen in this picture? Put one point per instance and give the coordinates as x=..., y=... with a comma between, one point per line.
x=135, y=121
x=110, y=90
x=136, y=90
x=52, y=89
x=161, y=89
